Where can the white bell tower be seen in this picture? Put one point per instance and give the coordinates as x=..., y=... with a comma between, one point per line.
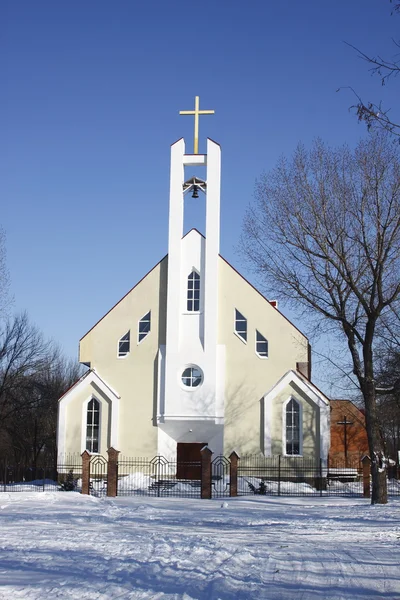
x=192, y=365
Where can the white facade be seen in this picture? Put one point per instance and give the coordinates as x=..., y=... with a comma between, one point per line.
x=196, y=413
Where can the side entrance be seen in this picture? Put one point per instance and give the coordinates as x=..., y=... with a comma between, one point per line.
x=189, y=460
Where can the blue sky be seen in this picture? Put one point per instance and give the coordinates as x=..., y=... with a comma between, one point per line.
x=91, y=92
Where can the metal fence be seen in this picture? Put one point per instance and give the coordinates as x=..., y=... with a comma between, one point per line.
x=297, y=476
x=281, y=476
x=158, y=477
x=220, y=480
x=275, y=476
x=64, y=476
x=98, y=475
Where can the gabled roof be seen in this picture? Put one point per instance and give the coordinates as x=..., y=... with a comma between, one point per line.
x=304, y=384
x=311, y=392
x=87, y=378
x=272, y=302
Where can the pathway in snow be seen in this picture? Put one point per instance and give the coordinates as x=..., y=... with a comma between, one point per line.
x=64, y=545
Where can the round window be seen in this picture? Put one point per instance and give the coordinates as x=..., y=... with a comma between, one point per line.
x=192, y=377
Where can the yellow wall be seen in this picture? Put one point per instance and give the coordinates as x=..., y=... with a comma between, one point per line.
x=249, y=377
x=132, y=377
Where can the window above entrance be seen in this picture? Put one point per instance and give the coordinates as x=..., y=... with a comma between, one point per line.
x=192, y=377
x=193, y=292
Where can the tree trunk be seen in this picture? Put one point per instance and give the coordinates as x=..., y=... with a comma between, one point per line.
x=375, y=442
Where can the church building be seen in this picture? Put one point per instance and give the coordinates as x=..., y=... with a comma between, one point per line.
x=193, y=354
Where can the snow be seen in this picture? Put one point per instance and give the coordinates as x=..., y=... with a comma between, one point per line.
x=65, y=545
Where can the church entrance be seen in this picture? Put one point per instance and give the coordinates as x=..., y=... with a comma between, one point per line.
x=189, y=460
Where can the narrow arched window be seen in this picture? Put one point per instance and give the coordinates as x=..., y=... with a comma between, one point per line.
x=93, y=425
x=292, y=427
x=193, y=292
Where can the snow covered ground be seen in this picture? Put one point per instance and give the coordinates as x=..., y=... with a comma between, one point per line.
x=64, y=545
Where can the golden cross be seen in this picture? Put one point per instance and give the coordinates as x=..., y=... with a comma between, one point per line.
x=196, y=112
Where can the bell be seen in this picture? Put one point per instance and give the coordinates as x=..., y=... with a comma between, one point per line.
x=195, y=192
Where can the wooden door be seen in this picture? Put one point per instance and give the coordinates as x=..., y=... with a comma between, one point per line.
x=189, y=460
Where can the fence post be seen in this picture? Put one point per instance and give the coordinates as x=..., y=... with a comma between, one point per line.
x=233, y=473
x=279, y=475
x=366, y=467
x=158, y=475
x=320, y=477
x=85, y=473
x=112, y=472
x=206, y=454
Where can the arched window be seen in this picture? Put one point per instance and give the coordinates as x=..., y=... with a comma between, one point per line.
x=93, y=425
x=292, y=428
x=193, y=292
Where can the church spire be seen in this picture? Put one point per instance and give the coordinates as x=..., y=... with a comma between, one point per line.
x=196, y=112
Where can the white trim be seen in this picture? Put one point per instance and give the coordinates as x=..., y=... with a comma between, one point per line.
x=160, y=382
x=172, y=417
x=267, y=450
x=306, y=386
x=240, y=337
x=194, y=160
x=90, y=377
x=284, y=406
x=315, y=395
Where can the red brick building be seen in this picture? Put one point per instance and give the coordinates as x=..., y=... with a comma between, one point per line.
x=349, y=440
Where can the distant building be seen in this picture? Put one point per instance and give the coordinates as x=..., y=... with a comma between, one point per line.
x=349, y=440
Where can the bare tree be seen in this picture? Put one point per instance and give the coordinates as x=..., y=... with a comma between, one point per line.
x=375, y=115
x=324, y=233
x=23, y=356
x=33, y=376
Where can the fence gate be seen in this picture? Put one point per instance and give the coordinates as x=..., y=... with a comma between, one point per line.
x=220, y=469
x=98, y=475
